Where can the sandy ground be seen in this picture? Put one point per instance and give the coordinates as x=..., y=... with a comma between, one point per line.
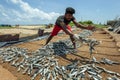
x=6, y=75
x=107, y=49
x=13, y=31
x=22, y=32
x=31, y=27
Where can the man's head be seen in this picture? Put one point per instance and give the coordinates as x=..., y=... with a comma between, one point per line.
x=69, y=13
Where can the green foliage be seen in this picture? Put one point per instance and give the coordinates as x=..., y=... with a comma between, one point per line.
x=83, y=23
x=72, y=24
x=87, y=22
x=100, y=26
x=5, y=26
x=80, y=22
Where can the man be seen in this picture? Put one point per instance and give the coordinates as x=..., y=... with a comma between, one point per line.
x=62, y=23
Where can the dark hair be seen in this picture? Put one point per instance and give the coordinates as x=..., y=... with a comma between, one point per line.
x=70, y=10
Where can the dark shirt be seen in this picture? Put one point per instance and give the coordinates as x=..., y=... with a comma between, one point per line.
x=62, y=19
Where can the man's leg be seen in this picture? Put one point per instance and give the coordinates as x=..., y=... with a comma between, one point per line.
x=54, y=32
x=73, y=41
x=49, y=39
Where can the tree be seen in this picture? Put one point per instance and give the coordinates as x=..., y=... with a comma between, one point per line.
x=88, y=22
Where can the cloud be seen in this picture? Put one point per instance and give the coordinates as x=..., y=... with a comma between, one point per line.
x=34, y=12
x=25, y=14
x=8, y=15
x=3, y=15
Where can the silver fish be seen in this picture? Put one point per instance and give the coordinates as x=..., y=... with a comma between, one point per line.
x=112, y=78
x=107, y=61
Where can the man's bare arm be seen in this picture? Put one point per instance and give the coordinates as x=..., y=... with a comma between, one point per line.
x=79, y=25
x=65, y=29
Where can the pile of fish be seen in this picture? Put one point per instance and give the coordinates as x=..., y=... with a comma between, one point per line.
x=12, y=54
x=114, y=25
x=48, y=68
x=88, y=71
x=29, y=64
x=85, y=33
x=83, y=39
x=63, y=47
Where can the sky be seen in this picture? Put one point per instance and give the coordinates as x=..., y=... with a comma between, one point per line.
x=46, y=11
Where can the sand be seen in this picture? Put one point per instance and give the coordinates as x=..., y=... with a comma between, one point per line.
x=6, y=75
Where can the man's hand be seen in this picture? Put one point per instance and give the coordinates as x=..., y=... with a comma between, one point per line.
x=76, y=37
x=89, y=27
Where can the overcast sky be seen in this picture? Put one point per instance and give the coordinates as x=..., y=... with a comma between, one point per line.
x=46, y=11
